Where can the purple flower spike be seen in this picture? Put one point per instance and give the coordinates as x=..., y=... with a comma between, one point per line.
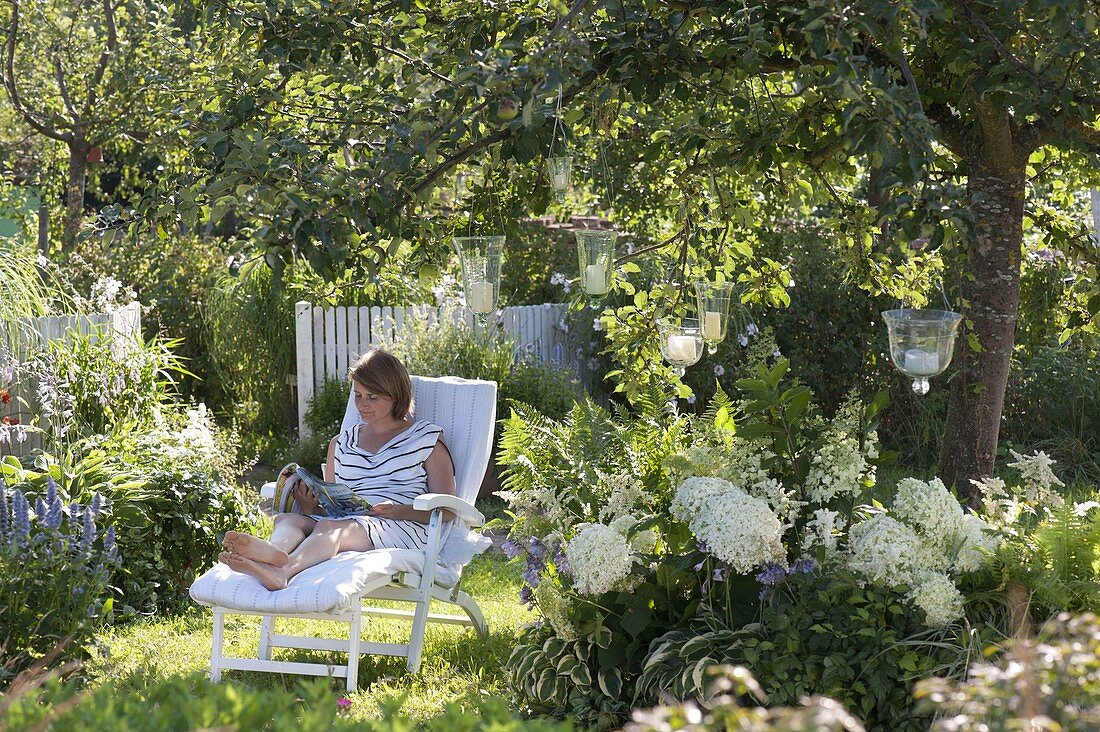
x=40, y=510
x=5, y=512
x=526, y=596
x=97, y=504
x=51, y=489
x=532, y=576
x=109, y=544
x=511, y=548
x=561, y=561
x=53, y=516
x=802, y=566
x=536, y=548
x=21, y=515
x=87, y=533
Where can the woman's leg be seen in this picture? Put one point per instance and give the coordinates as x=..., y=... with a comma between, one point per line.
x=290, y=530
x=327, y=539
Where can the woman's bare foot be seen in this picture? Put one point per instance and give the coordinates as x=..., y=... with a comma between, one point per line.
x=254, y=548
x=273, y=578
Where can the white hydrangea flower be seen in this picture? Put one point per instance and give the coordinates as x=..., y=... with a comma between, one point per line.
x=822, y=531
x=838, y=468
x=643, y=542
x=938, y=597
x=886, y=550
x=739, y=529
x=978, y=541
x=600, y=557
x=931, y=509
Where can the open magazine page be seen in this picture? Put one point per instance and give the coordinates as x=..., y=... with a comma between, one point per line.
x=337, y=499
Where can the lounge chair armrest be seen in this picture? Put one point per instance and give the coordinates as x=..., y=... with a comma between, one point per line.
x=267, y=490
x=432, y=501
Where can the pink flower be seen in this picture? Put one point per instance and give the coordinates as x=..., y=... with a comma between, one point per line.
x=343, y=704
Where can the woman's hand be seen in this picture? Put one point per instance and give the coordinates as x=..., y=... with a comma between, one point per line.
x=392, y=511
x=307, y=499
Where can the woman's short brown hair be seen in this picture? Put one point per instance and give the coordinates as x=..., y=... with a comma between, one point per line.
x=380, y=372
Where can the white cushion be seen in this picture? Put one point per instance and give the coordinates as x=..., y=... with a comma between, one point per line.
x=333, y=585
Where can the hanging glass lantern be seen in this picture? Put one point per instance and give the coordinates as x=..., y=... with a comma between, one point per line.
x=922, y=342
x=560, y=169
x=681, y=342
x=596, y=258
x=713, y=299
x=480, y=258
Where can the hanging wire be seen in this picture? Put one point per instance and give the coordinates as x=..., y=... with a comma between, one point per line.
x=557, y=125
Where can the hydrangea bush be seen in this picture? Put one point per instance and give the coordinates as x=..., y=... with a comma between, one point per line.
x=657, y=538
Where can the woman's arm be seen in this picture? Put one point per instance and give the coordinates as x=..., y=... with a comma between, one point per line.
x=441, y=479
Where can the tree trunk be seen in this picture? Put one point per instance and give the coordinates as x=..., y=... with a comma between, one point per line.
x=989, y=290
x=74, y=194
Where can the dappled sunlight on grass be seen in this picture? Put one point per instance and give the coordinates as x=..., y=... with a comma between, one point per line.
x=457, y=663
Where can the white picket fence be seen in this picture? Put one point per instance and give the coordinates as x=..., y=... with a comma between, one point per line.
x=124, y=322
x=329, y=340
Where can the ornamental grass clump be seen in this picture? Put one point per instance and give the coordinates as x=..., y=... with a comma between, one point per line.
x=56, y=568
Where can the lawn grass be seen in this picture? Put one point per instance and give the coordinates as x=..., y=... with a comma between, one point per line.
x=458, y=665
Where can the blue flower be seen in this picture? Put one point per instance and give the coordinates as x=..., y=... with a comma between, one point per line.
x=721, y=574
x=561, y=561
x=97, y=504
x=802, y=566
x=691, y=399
x=53, y=516
x=772, y=575
x=40, y=510
x=87, y=533
x=511, y=548
x=719, y=370
x=536, y=548
x=109, y=544
x=532, y=576
x=526, y=596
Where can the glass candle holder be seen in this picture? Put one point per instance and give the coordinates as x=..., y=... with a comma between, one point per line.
x=480, y=258
x=596, y=259
x=922, y=342
x=560, y=169
x=681, y=342
x=713, y=301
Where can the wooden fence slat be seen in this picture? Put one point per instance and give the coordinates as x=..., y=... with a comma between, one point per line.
x=303, y=337
x=354, y=349
x=318, y=344
x=341, y=365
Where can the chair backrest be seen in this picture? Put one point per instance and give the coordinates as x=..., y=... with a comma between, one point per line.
x=466, y=409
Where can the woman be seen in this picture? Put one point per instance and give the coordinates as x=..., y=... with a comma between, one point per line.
x=389, y=460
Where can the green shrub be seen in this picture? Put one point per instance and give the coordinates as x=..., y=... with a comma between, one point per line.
x=55, y=567
x=1053, y=403
x=249, y=324
x=531, y=260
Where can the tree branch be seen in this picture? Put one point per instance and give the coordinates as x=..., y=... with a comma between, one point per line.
x=63, y=87
x=104, y=58
x=564, y=20
x=416, y=62
x=13, y=87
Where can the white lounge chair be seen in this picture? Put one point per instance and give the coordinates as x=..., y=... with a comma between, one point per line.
x=342, y=587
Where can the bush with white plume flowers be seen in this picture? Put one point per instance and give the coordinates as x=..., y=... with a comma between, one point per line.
x=739, y=529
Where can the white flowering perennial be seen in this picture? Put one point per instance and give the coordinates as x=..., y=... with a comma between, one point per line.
x=938, y=597
x=1038, y=479
x=600, y=558
x=555, y=608
x=885, y=550
x=739, y=529
x=823, y=530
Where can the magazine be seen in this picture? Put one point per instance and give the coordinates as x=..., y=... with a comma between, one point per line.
x=336, y=499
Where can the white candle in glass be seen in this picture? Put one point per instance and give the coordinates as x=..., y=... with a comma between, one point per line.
x=595, y=279
x=561, y=181
x=921, y=363
x=712, y=326
x=681, y=348
x=480, y=298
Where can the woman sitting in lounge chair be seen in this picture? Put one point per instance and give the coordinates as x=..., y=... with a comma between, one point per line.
x=389, y=459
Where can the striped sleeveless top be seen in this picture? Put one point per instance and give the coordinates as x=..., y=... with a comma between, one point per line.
x=394, y=473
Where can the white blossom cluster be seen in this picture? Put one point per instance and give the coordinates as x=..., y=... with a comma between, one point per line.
x=736, y=527
x=538, y=500
x=642, y=542
x=1037, y=478
x=822, y=531
x=741, y=462
x=841, y=466
x=625, y=496
x=928, y=539
x=600, y=558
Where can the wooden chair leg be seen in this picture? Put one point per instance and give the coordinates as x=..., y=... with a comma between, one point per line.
x=216, y=646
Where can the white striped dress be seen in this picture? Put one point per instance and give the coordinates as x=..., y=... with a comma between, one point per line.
x=394, y=473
